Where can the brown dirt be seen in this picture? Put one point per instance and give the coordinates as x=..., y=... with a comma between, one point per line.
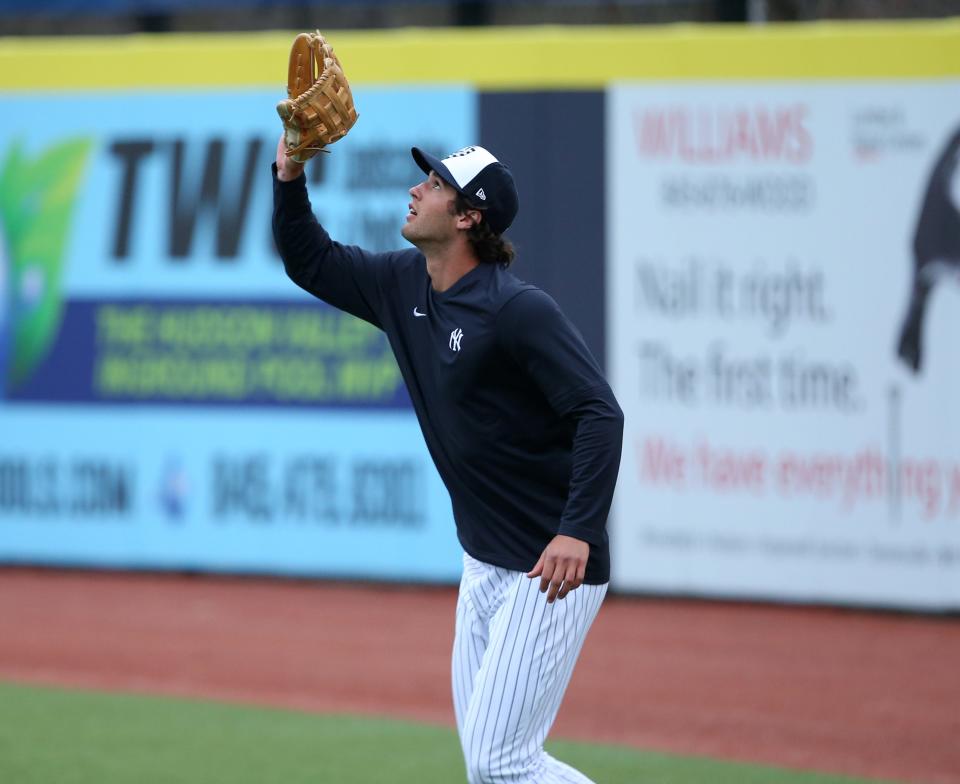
x=869, y=694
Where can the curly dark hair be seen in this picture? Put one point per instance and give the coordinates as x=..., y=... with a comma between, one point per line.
x=489, y=246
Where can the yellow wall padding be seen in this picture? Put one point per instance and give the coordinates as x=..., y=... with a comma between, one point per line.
x=496, y=58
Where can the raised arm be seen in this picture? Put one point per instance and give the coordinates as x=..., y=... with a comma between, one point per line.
x=344, y=276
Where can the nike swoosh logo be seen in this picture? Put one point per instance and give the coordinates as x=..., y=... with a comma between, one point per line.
x=418, y=314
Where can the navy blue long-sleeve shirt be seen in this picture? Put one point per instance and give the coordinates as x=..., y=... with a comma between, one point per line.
x=523, y=428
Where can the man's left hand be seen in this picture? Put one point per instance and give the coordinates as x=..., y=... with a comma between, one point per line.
x=562, y=566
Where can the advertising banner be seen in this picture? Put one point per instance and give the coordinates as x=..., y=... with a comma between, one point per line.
x=168, y=397
x=783, y=313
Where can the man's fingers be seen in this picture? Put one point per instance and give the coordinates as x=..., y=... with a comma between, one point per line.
x=555, y=584
x=546, y=573
x=563, y=580
x=536, y=570
x=562, y=567
x=571, y=581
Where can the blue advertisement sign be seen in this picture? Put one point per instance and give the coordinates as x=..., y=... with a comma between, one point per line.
x=150, y=341
x=287, y=492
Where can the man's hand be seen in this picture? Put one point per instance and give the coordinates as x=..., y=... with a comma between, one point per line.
x=287, y=168
x=561, y=566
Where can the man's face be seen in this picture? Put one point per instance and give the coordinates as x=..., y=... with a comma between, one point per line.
x=430, y=219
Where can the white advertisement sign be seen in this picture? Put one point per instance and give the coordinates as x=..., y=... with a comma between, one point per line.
x=783, y=292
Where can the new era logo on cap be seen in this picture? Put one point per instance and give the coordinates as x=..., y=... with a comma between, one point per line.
x=485, y=182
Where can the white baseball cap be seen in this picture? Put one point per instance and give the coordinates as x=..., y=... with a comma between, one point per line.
x=484, y=182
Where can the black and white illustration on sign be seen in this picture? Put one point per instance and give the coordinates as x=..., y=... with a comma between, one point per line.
x=936, y=248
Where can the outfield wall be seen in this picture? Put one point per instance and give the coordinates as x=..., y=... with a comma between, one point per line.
x=727, y=214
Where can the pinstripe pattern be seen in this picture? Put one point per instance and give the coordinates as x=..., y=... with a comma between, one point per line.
x=513, y=656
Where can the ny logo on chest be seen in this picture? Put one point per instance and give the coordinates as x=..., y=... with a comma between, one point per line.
x=462, y=357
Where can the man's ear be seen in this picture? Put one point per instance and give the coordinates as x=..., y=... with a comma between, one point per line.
x=471, y=218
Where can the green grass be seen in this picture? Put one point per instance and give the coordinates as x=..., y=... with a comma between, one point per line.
x=54, y=736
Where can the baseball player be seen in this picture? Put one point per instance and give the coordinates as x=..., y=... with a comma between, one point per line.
x=521, y=424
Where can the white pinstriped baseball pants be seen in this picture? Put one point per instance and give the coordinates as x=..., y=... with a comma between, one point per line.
x=513, y=656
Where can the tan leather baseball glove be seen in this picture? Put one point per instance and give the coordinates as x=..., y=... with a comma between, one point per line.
x=319, y=107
